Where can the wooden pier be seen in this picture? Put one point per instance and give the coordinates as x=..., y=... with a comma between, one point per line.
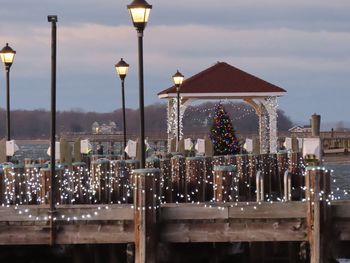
x=311, y=220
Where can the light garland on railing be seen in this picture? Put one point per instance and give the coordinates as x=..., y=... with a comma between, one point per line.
x=80, y=186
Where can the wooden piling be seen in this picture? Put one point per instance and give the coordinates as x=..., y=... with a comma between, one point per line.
x=130, y=165
x=145, y=214
x=244, y=180
x=14, y=184
x=282, y=167
x=101, y=180
x=154, y=162
x=33, y=183
x=224, y=188
x=209, y=178
x=295, y=167
x=81, y=183
x=46, y=185
x=318, y=214
x=119, y=181
x=253, y=161
x=264, y=168
x=195, y=179
x=178, y=178
x=165, y=177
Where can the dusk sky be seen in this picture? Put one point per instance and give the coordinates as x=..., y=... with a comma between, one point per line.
x=302, y=46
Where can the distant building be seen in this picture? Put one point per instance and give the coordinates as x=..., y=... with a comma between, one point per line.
x=299, y=129
x=110, y=128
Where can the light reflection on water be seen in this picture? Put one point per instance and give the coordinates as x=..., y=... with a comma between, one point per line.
x=341, y=174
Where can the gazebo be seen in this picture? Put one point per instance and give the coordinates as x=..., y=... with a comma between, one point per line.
x=223, y=81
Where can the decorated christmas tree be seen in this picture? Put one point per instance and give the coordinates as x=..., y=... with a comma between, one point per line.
x=222, y=133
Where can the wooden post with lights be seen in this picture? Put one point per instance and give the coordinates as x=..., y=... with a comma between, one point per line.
x=178, y=178
x=223, y=183
x=195, y=179
x=243, y=178
x=295, y=164
x=317, y=182
x=145, y=214
x=165, y=177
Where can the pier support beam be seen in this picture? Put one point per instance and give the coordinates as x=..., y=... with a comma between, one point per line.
x=224, y=178
x=146, y=206
x=317, y=182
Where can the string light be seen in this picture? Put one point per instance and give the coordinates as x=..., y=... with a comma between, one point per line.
x=24, y=186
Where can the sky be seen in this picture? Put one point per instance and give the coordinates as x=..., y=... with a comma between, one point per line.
x=301, y=46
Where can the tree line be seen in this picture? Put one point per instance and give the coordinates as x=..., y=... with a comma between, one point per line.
x=35, y=124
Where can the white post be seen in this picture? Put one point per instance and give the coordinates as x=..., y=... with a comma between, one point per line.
x=258, y=105
x=171, y=122
x=263, y=130
x=270, y=104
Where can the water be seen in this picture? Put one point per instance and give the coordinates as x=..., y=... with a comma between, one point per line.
x=32, y=151
x=340, y=180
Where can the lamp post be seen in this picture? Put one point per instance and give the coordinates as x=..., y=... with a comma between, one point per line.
x=122, y=70
x=139, y=12
x=7, y=56
x=53, y=20
x=178, y=79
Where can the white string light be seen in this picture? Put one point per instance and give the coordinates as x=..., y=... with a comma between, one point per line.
x=81, y=185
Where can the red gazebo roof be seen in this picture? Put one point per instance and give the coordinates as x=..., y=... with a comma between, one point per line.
x=223, y=80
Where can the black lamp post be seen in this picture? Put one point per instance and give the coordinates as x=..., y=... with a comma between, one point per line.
x=53, y=20
x=139, y=11
x=178, y=79
x=122, y=70
x=7, y=56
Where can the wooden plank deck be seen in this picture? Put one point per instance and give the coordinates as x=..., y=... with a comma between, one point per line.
x=225, y=222
x=230, y=223
x=88, y=224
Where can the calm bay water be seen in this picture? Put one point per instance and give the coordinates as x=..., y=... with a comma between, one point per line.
x=32, y=151
x=340, y=179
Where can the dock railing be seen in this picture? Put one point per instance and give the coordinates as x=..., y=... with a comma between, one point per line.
x=198, y=199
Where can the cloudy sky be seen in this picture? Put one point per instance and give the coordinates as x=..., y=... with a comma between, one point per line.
x=302, y=46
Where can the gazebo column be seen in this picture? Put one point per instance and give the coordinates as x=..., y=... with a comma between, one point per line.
x=172, y=117
x=263, y=129
x=263, y=123
x=171, y=129
x=270, y=104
